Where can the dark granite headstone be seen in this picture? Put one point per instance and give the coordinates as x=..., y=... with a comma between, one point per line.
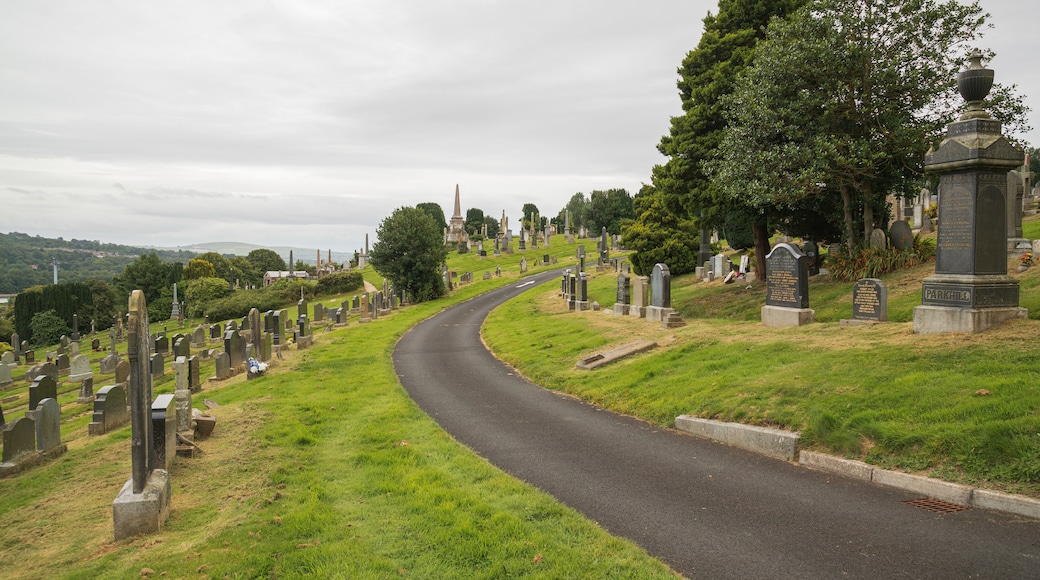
x=157, y=366
x=812, y=253
x=110, y=410
x=787, y=283
x=235, y=347
x=623, y=288
x=194, y=381
x=902, y=237
x=162, y=344
x=43, y=387
x=164, y=430
x=181, y=346
x=62, y=363
x=870, y=300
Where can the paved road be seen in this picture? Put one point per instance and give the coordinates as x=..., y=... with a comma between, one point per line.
x=707, y=510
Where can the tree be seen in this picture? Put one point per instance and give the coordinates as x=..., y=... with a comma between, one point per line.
x=198, y=268
x=856, y=123
x=707, y=74
x=221, y=266
x=659, y=235
x=106, y=303
x=492, y=226
x=48, y=328
x=409, y=252
x=265, y=260
x=609, y=208
x=579, y=207
x=202, y=291
x=245, y=272
x=155, y=279
x=530, y=210
x=474, y=220
x=302, y=266
x=434, y=210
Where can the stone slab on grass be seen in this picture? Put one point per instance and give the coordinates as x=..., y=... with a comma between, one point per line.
x=600, y=359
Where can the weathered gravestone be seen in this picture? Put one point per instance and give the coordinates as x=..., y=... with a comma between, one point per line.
x=787, y=288
x=235, y=348
x=162, y=344
x=122, y=372
x=48, y=425
x=164, y=430
x=640, y=297
x=198, y=337
x=182, y=395
x=80, y=369
x=194, y=381
x=660, y=308
x=19, y=439
x=214, y=331
x=223, y=366
x=869, y=302
x=86, y=391
x=624, y=284
x=19, y=347
x=95, y=344
x=30, y=355
x=523, y=264
x=5, y=375
x=62, y=363
x=110, y=410
x=156, y=366
x=144, y=501
x=902, y=237
x=181, y=346
x=43, y=387
x=109, y=363
x=970, y=290
x=256, y=333
x=319, y=312
x=7, y=358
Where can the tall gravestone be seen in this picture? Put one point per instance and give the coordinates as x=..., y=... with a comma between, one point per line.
x=787, y=288
x=624, y=285
x=971, y=291
x=144, y=501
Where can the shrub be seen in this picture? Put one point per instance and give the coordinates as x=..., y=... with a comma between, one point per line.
x=5, y=347
x=339, y=283
x=202, y=291
x=874, y=262
x=47, y=328
x=238, y=304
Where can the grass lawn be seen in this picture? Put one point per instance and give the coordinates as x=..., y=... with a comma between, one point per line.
x=322, y=468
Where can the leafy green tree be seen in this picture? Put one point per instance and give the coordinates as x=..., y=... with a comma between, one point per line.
x=609, y=208
x=201, y=291
x=265, y=260
x=474, y=220
x=153, y=278
x=198, y=268
x=48, y=328
x=245, y=272
x=221, y=266
x=106, y=304
x=529, y=210
x=855, y=123
x=340, y=283
x=6, y=329
x=409, y=252
x=579, y=206
x=492, y=226
x=435, y=211
x=302, y=266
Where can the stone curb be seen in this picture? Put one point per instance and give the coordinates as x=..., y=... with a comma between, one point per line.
x=784, y=445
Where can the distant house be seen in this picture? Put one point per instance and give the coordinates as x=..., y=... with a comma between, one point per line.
x=272, y=276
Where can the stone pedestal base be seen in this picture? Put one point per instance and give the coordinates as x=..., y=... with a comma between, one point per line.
x=637, y=311
x=943, y=319
x=844, y=322
x=783, y=317
x=145, y=512
x=620, y=309
x=657, y=313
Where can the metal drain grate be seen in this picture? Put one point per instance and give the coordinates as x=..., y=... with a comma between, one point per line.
x=937, y=506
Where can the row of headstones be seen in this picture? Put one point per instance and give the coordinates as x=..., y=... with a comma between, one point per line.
x=27, y=438
x=649, y=297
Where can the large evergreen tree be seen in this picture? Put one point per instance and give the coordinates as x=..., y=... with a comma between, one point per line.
x=707, y=74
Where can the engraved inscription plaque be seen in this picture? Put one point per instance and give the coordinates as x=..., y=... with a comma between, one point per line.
x=787, y=282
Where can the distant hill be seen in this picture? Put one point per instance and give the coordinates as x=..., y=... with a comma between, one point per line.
x=26, y=260
x=308, y=255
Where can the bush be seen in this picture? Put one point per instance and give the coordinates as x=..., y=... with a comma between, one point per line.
x=47, y=328
x=5, y=347
x=238, y=304
x=874, y=262
x=339, y=283
x=202, y=291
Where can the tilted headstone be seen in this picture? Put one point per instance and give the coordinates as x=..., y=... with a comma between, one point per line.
x=194, y=381
x=80, y=369
x=48, y=425
x=164, y=430
x=223, y=366
x=870, y=300
x=110, y=410
x=19, y=439
x=109, y=363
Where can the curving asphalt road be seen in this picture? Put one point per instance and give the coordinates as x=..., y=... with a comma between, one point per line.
x=705, y=509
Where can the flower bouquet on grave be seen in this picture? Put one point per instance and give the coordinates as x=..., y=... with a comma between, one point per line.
x=1026, y=259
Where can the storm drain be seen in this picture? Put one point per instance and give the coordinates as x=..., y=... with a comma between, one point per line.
x=937, y=506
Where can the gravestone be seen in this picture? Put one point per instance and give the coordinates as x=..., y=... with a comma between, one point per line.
x=624, y=284
x=80, y=369
x=660, y=307
x=7, y=358
x=319, y=312
x=19, y=347
x=30, y=355
x=5, y=375
x=223, y=366
x=878, y=239
x=355, y=304
x=304, y=338
x=181, y=346
x=581, y=300
x=182, y=395
x=269, y=325
x=214, y=331
x=198, y=337
x=48, y=425
x=787, y=288
x=162, y=344
x=63, y=343
x=564, y=290
x=110, y=410
x=498, y=271
x=164, y=430
x=156, y=365
x=869, y=302
x=266, y=345
x=235, y=347
x=194, y=380
x=62, y=363
x=572, y=290
x=122, y=372
x=256, y=332
x=545, y=259
x=19, y=439
x=144, y=501
x=902, y=237
x=43, y=387
x=244, y=323
x=75, y=328
x=277, y=327
x=720, y=265
x=812, y=254
x=86, y=391
x=487, y=275
x=95, y=345
x=523, y=264
x=970, y=290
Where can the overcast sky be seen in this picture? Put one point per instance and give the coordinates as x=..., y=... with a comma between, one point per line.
x=305, y=123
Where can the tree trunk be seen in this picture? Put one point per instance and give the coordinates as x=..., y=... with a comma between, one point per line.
x=868, y=213
x=850, y=228
x=760, y=233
